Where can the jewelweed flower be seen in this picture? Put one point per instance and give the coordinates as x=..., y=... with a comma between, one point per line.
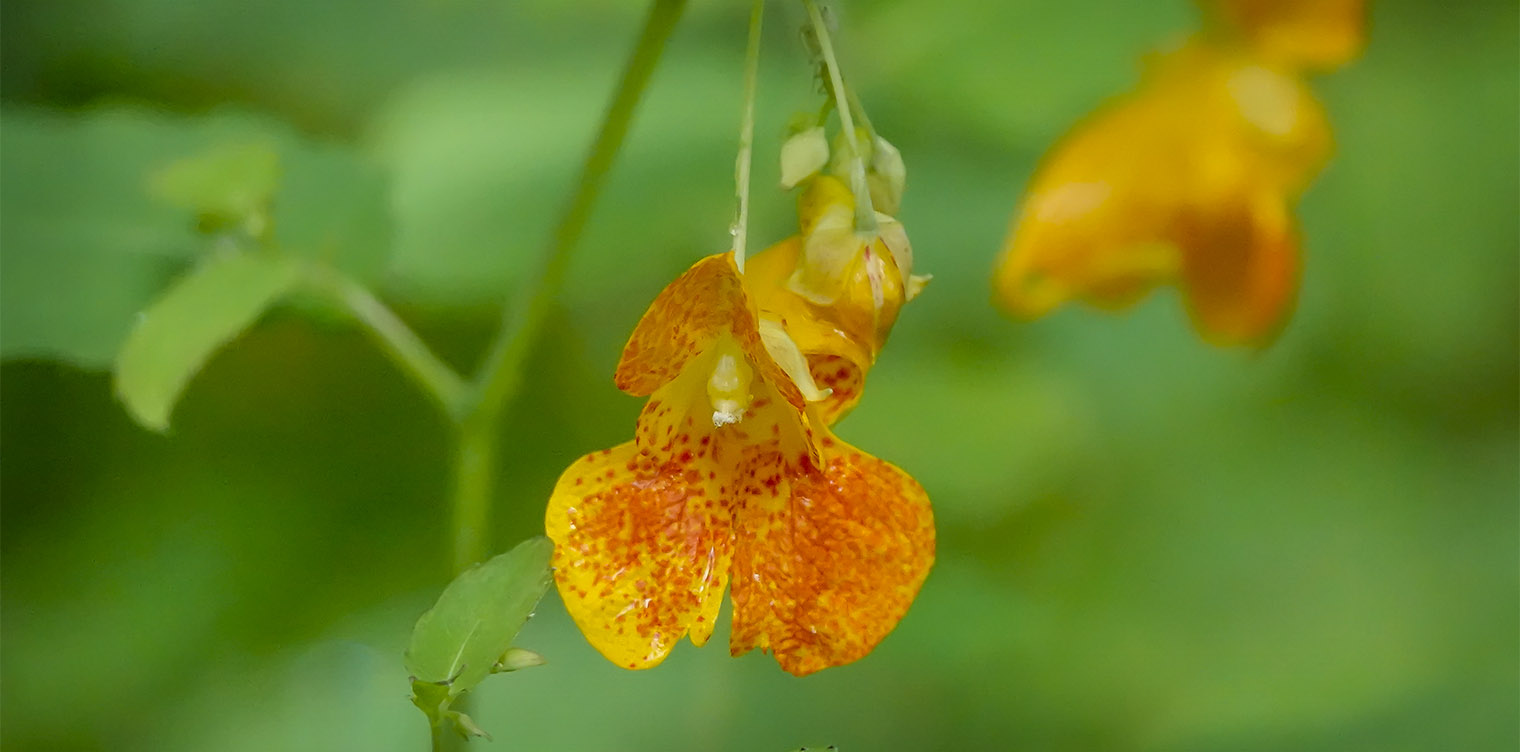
x=1191, y=179
x=835, y=290
x=733, y=479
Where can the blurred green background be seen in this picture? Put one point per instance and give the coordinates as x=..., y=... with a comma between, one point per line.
x=1145, y=544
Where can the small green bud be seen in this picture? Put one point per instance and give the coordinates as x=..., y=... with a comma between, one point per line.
x=466, y=727
x=516, y=659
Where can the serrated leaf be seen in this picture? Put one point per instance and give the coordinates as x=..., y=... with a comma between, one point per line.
x=176, y=335
x=459, y=640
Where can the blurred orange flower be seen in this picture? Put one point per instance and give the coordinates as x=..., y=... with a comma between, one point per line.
x=1305, y=34
x=734, y=477
x=1191, y=178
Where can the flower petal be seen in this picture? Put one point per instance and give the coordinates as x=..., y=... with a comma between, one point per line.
x=1187, y=180
x=827, y=562
x=828, y=348
x=1096, y=212
x=686, y=319
x=1240, y=271
x=846, y=380
x=1319, y=34
x=858, y=279
x=789, y=356
x=642, y=550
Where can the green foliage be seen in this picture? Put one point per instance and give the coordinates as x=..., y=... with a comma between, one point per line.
x=1145, y=545
x=180, y=331
x=95, y=222
x=467, y=635
x=82, y=247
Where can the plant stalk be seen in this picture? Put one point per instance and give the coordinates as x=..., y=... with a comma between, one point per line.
x=397, y=340
x=747, y=133
x=865, y=214
x=501, y=372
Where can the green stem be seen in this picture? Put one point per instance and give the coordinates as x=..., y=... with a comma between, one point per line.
x=474, y=478
x=394, y=337
x=501, y=374
x=859, y=111
x=865, y=214
x=747, y=133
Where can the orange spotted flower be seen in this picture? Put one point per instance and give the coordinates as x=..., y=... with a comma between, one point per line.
x=734, y=479
x=1192, y=178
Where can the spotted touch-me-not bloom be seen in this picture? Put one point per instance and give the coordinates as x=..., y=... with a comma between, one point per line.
x=1192, y=178
x=734, y=477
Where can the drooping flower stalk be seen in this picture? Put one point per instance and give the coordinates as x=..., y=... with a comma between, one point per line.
x=865, y=215
x=502, y=371
x=747, y=133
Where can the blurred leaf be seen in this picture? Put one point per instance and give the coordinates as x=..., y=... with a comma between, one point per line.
x=230, y=184
x=84, y=247
x=459, y=641
x=939, y=63
x=179, y=332
x=482, y=162
x=471, y=203
x=977, y=484
x=333, y=206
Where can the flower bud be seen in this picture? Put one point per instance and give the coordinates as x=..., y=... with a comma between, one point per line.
x=844, y=152
x=803, y=155
x=516, y=659
x=886, y=176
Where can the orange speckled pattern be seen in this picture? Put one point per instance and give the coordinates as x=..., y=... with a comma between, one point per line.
x=647, y=533
x=832, y=544
x=844, y=377
x=643, y=532
x=642, y=551
x=829, y=561
x=687, y=317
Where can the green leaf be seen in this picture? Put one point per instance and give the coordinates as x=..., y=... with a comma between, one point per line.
x=233, y=183
x=482, y=163
x=95, y=221
x=333, y=206
x=180, y=332
x=82, y=247
x=459, y=641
